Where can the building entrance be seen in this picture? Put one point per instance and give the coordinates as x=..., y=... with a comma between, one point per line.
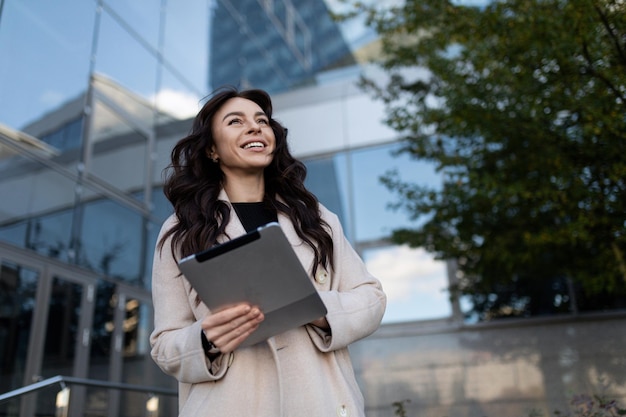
x=56, y=319
x=18, y=287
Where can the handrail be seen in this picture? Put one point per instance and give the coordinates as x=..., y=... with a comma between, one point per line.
x=63, y=380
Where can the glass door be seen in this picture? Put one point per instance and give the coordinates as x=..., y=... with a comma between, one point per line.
x=120, y=352
x=57, y=319
x=132, y=363
x=67, y=332
x=46, y=310
x=61, y=337
x=18, y=288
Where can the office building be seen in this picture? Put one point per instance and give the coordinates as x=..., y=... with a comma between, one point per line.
x=278, y=45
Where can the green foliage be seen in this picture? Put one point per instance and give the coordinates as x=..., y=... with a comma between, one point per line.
x=398, y=408
x=522, y=105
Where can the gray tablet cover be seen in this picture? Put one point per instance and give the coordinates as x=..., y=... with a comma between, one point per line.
x=262, y=269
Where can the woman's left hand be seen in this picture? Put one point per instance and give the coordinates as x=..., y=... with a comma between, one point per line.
x=322, y=323
x=228, y=328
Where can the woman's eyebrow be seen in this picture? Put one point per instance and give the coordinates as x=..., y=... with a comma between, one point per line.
x=240, y=114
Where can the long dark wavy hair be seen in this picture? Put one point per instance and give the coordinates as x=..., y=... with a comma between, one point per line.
x=193, y=183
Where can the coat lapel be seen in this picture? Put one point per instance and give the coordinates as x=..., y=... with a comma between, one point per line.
x=234, y=228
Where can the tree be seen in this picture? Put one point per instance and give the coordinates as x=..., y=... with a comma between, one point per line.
x=523, y=109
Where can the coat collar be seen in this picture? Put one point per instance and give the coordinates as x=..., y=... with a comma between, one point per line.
x=235, y=228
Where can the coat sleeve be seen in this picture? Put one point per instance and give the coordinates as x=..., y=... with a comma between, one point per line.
x=355, y=302
x=176, y=342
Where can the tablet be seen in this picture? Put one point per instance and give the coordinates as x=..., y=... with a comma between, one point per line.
x=261, y=268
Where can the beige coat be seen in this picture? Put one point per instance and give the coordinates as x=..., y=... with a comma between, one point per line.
x=302, y=372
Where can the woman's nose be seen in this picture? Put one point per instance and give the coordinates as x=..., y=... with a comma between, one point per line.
x=254, y=126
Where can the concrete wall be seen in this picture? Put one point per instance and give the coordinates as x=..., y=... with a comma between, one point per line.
x=505, y=369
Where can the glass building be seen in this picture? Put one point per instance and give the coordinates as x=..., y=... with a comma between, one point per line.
x=273, y=44
x=94, y=94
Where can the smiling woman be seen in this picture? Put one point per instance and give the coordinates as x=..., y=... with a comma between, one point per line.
x=230, y=175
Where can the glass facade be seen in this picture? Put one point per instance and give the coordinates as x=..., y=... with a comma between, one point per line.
x=348, y=183
x=83, y=88
x=276, y=45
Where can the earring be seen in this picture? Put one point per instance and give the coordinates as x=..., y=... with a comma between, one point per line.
x=214, y=158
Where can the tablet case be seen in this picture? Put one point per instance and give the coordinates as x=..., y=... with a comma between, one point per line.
x=261, y=268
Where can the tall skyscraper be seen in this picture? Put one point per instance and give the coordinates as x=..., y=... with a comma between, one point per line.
x=273, y=44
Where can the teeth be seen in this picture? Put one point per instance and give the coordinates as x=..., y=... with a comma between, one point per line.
x=253, y=145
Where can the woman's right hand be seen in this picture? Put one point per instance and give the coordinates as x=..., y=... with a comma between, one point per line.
x=229, y=327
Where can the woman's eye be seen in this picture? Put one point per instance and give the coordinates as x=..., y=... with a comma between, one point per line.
x=263, y=121
x=234, y=121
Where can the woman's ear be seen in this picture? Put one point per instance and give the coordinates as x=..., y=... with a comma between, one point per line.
x=212, y=155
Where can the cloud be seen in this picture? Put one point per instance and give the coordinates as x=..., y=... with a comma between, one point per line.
x=180, y=104
x=414, y=282
x=51, y=98
x=406, y=273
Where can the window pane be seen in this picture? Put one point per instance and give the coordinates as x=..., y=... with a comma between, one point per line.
x=36, y=212
x=111, y=240
x=117, y=45
x=62, y=329
x=349, y=184
x=373, y=217
x=186, y=52
x=45, y=48
x=415, y=283
x=325, y=180
x=18, y=286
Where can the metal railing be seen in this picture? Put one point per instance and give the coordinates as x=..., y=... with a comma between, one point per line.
x=64, y=381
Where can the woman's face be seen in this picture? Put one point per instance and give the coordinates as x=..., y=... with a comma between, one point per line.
x=244, y=142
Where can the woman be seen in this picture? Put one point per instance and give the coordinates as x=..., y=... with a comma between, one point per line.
x=231, y=174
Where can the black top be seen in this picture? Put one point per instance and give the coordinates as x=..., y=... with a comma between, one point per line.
x=254, y=215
